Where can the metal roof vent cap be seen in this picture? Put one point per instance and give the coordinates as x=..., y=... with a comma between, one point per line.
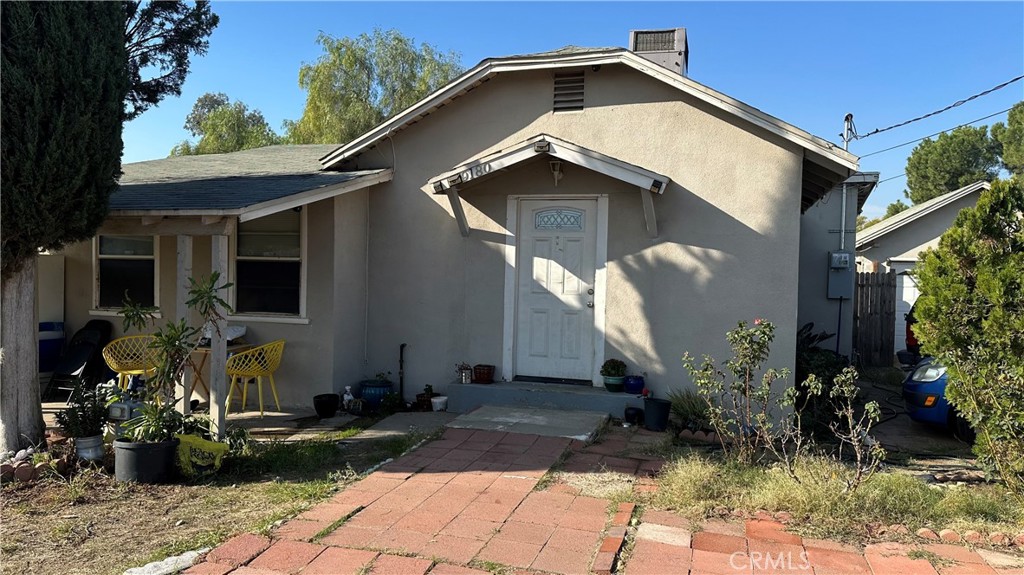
x=666, y=48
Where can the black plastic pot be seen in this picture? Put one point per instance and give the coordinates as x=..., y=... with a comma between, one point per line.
x=145, y=462
x=656, y=413
x=633, y=415
x=326, y=404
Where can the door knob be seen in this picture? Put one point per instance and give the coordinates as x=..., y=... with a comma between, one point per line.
x=590, y=304
x=590, y=291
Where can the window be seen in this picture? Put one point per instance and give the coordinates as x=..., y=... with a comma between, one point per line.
x=125, y=264
x=268, y=265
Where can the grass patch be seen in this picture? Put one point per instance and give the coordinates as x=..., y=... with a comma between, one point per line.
x=694, y=484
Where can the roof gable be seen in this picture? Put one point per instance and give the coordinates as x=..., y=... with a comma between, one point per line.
x=914, y=213
x=818, y=151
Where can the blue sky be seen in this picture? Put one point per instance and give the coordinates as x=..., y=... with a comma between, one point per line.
x=806, y=63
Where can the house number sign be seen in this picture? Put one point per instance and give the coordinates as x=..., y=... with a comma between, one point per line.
x=476, y=171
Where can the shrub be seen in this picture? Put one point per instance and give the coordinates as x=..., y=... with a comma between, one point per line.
x=613, y=368
x=971, y=318
x=689, y=408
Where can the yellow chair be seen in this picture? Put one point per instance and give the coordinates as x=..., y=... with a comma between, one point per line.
x=131, y=355
x=254, y=364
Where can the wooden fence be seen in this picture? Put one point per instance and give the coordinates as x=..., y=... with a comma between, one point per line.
x=874, y=317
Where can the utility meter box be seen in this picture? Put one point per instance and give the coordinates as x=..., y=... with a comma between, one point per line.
x=840, y=275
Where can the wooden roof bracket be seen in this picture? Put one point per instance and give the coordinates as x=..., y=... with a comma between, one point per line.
x=460, y=213
x=650, y=219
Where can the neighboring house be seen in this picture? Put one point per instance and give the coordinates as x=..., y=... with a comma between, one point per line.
x=894, y=243
x=541, y=213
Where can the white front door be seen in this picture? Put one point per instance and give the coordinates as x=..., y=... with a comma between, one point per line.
x=555, y=259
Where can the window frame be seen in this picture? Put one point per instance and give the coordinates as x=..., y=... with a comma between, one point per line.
x=303, y=259
x=96, y=257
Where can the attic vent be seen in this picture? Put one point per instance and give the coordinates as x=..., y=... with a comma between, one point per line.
x=568, y=92
x=655, y=41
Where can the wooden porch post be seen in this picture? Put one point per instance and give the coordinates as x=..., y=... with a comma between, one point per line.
x=218, y=345
x=181, y=311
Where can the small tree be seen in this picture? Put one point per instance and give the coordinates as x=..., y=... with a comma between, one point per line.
x=360, y=82
x=225, y=127
x=971, y=317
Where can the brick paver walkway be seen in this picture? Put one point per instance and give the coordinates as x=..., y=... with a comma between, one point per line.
x=466, y=504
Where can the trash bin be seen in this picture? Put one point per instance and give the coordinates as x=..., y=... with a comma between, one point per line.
x=656, y=413
x=51, y=344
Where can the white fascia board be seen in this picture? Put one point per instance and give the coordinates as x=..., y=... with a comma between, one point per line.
x=916, y=212
x=310, y=196
x=487, y=68
x=162, y=213
x=556, y=148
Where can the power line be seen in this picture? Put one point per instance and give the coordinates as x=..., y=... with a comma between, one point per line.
x=936, y=133
x=949, y=107
x=891, y=178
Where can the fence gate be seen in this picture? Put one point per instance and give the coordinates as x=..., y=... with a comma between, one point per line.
x=874, y=317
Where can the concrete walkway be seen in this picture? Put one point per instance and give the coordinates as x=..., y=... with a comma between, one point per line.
x=468, y=504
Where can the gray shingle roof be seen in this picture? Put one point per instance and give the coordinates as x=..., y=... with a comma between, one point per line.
x=225, y=181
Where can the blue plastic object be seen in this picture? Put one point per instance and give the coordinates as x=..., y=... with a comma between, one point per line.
x=634, y=384
x=51, y=344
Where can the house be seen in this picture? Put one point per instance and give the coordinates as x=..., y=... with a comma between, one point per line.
x=541, y=213
x=894, y=243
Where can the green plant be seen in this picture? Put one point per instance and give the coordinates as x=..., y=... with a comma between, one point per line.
x=155, y=422
x=752, y=421
x=613, y=368
x=86, y=413
x=391, y=403
x=428, y=390
x=689, y=408
x=173, y=343
x=825, y=365
x=383, y=376
x=738, y=402
x=971, y=318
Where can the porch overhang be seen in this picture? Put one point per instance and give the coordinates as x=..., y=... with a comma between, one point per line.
x=648, y=182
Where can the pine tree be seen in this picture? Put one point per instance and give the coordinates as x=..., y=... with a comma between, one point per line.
x=64, y=84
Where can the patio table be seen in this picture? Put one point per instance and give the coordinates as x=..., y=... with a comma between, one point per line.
x=204, y=355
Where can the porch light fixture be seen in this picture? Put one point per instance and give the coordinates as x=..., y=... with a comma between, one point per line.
x=656, y=186
x=542, y=147
x=556, y=170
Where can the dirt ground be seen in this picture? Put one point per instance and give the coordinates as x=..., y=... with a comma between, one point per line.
x=90, y=524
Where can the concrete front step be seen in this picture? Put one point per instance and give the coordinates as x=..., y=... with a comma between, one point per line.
x=463, y=398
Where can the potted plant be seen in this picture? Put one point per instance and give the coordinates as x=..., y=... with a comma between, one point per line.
x=84, y=420
x=464, y=371
x=146, y=450
x=374, y=390
x=423, y=399
x=614, y=373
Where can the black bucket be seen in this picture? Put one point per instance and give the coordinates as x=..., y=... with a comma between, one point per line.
x=145, y=462
x=656, y=413
x=326, y=404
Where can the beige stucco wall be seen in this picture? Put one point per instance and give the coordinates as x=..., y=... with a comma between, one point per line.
x=729, y=227
x=906, y=242
x=320, y=356
x=819, y=235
